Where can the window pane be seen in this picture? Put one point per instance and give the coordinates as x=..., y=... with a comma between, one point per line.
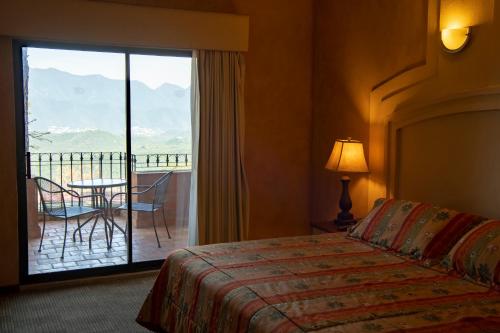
x=161, y=143
x=75, y=117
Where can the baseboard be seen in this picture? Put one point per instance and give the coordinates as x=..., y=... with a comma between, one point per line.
x=9, y=289
x=86, y=281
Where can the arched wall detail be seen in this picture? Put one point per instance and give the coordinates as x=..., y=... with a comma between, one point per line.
x=384, y=100
x=468, y=81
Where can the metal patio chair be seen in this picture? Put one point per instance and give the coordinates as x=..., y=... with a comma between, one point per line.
x=53, y=197
x=159, y=190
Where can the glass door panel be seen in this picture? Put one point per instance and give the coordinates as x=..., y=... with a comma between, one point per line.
x=161, y=154
x=75, y=140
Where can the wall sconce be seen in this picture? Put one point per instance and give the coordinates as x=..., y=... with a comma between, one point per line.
x=455, y=39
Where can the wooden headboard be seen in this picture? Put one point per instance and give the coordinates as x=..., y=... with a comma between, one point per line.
x=447, y=153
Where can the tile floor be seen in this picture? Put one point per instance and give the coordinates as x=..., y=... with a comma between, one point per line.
x=77, y=254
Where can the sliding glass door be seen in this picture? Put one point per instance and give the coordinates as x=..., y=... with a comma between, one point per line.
x=160, y=89
x=106, y=140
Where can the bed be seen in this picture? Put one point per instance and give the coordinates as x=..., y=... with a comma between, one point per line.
x=320, y=283
x=408, y=266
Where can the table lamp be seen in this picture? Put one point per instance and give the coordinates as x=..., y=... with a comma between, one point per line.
x=347, y=157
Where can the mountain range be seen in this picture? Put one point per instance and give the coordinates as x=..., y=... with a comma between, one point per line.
x=87, y=113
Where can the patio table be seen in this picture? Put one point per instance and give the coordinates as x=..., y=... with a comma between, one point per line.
x=99, y=186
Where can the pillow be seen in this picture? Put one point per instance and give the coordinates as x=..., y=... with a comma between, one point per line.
x=379, y=207
x=419, y=230
x=477, y=254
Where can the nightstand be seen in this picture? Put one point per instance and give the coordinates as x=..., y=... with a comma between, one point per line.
x=324, y=227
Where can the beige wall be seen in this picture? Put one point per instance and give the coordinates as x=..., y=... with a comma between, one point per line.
x=278, y=120
x=477, y=66
x=278, y=108
x=385, y=62
x=465, y=82
x=8, y=204
x=278, y=115
x=357, y=46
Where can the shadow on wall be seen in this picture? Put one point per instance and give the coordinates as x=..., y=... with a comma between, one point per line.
x=221, y=6
x=326, y=185
x=358, y=45
x=465, y=13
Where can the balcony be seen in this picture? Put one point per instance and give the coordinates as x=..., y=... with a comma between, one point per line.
x=66, y=168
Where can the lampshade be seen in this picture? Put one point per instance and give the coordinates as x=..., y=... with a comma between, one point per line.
x=347, y=156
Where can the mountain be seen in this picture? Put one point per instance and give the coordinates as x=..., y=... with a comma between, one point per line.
x=97, y=141
x=85, y=141
x=88, y=112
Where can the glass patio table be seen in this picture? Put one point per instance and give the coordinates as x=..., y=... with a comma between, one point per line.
x=99, y=186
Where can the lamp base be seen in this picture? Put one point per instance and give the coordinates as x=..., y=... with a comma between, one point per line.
x=345, y=218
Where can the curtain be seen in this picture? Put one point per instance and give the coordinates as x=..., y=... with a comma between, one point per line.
x=195, y=131
x=219, y=208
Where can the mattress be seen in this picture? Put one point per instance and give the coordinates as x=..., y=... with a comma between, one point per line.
x=320, y=283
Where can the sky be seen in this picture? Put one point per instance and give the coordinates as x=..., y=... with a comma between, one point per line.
x=150, y=70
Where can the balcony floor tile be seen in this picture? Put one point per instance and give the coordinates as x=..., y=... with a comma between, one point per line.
x=77, y=255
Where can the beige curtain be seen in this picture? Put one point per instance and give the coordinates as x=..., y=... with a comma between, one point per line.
x=219, y=211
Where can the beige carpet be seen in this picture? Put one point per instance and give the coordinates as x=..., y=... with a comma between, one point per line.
x=104, y=306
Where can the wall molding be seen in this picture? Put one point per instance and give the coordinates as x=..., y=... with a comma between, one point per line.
x=116, y=24
x=385, y=99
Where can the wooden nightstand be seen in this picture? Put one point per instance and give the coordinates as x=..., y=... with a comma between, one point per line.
x=324, y=227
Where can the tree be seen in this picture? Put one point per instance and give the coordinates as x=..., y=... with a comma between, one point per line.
x=29, y=135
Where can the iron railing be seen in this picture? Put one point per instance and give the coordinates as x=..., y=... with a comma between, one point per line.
x=149, y=162
x=64, y=168
x=91, y=165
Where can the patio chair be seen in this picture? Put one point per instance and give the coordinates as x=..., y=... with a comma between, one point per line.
x=53, y=197
x=159, y=191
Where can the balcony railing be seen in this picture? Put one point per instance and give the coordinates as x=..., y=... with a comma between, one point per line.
x=89, y=165
x=64, y=168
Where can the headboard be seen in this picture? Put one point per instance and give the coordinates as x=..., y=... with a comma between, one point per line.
x=448, y=153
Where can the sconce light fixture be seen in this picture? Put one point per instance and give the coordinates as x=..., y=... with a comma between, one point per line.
x=455, y=39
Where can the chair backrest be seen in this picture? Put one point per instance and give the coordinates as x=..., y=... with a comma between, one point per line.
x=161, y=186
x=51, y=195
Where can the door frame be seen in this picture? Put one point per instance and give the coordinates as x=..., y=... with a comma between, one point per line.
x=24, y=276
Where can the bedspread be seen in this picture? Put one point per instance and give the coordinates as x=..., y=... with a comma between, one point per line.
x=321, y=283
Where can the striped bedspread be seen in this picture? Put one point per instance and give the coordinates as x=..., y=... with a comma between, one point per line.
x=321, y=283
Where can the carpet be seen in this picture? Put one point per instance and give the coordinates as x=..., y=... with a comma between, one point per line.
x=104, y=306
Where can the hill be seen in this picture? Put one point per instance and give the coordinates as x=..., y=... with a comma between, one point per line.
x=87, y=113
